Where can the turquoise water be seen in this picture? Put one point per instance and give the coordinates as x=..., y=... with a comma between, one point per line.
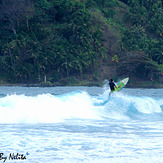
x=81, y=124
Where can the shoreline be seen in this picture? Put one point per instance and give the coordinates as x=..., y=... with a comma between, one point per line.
x=68, y=82
x=94, y=84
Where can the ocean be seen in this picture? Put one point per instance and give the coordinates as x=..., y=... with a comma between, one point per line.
x=80, y=124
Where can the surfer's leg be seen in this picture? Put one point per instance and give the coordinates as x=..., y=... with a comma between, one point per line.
x=111, y=92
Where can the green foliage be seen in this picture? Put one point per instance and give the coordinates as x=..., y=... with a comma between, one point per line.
x=148, y=14
x=145, y=34
x=59, y=38
x=62, y=38
x=134, y=39
x=115, y=58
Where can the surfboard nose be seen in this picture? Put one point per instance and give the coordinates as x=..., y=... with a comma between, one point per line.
x=124, y=81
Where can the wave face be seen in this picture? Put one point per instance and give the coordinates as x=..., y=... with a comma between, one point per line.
x=49, y=108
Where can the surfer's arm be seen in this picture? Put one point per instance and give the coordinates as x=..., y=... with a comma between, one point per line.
x=117, y=87
x=109, y=76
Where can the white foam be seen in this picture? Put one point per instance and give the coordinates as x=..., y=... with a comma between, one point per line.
x=45, y=108
x=144, y=104
x=147, y=105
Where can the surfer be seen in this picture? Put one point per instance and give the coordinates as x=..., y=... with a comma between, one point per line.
x=112, y=85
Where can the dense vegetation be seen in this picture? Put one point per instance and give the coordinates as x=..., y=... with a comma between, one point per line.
x=86, y=39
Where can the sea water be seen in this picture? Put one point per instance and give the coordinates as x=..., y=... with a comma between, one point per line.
x=81, y=124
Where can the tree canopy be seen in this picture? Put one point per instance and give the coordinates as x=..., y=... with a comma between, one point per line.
x=64, y=38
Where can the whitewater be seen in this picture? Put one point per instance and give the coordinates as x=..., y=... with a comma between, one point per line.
x=80, y=124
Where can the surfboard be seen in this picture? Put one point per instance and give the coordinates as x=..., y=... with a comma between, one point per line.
x=121, y=84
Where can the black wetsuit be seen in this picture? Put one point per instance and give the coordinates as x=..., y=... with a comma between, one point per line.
x=112, y=85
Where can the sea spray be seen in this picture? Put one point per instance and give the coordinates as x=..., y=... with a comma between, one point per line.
x=45, y=108
x=47, y=125
x=48, y=108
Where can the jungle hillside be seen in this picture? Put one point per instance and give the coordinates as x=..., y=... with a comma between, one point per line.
x=71, y=42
